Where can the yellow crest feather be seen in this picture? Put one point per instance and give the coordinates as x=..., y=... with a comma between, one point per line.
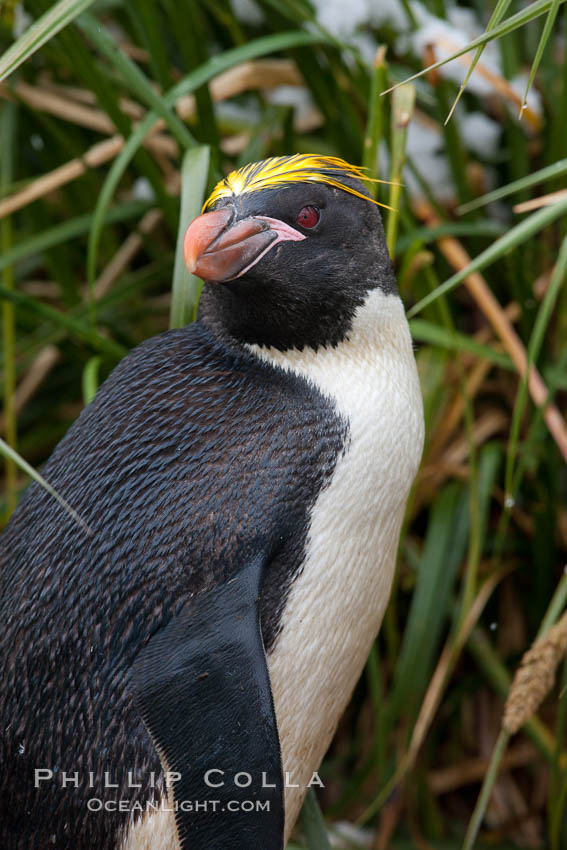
x=279, y=171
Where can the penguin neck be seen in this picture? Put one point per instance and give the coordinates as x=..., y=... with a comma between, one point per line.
x=376, y=332
x=307, y=320
x=337, y=600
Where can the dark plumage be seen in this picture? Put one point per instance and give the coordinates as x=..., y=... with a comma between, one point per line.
x=198, y=469
x=332, y=270
x=184, y=465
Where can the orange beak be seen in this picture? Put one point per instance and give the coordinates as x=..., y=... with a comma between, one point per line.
x=216, y=251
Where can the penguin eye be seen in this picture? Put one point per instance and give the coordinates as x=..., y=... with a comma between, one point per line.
x=308, y=217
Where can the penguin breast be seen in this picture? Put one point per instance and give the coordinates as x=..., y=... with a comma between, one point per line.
x=336, y=603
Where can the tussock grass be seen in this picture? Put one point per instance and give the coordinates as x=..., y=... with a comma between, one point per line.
x=116, y=118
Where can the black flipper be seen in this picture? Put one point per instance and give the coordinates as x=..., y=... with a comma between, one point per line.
x=203, y=690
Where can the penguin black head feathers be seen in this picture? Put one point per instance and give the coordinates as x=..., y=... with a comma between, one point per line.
x=291, y=246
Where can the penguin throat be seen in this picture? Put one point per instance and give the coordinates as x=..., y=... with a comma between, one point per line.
x=246, y=314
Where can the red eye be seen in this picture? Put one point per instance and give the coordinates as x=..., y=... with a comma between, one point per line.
x=308, y=217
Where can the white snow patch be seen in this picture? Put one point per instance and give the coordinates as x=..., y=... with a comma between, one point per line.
x=36, y=141
x=426, y=148
x=518, y=84
x=297, y=96
x=142, y=190
x=446, y=38
x=22, y=20
x=480, y=134
x=247, y=11
x=339, y=18
x=344, y=835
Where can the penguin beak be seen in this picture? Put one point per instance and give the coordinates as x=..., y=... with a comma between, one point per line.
x=218, y=247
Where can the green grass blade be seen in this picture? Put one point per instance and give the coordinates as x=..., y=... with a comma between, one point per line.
x=8, y=452
x=313, y=823
x=445, y=544
x=555, y=609
x=402, y=111
x=545, y=36
x=424, y=331
x=50, y=23
x=131, y=286
x=534, y=347
x=147, y=22
x=556, y=145
x=514, y=238
x=63, y=320
x=90, y=378
x=558, y=794
x=550, y=172
x=375, y=118
x=135, y=78
x=188, y=22
x=495, y=18
x=206, y=72
x=8, y=147
x=93, y=75
x=186, y=287
x=558, y=821
x=530, y=13
x=63, y=233
x=499, y=677
x=449, y=228
x=486, y=791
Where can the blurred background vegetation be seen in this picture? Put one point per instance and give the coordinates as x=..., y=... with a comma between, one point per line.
x=116, y=118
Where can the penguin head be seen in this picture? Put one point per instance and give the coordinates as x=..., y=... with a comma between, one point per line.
x=288, y=248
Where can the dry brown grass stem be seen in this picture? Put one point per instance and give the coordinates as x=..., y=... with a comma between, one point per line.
x=521, y=519
x=535, y=677
x=138, y=54
x=541, y=284
x=45, y=81
x=389, y=817
x=512, y=312
x=434, y=473
x=46, y=101
x=263, y=74
x=485, y=427
x=450, y=419
x=126, y=252
x=131, y=108
x=256, y=74
x=447, y=660
x=542, y=201
x=458, y=258
x=447, y=779
x=50, y=355
x=500, y=85
x=451, y=651
x=47, y=289
x=97, y=155
x=50, y=100
x=233, y=145
x=34, y=377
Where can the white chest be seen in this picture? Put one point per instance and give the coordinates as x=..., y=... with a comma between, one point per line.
x=336, y=605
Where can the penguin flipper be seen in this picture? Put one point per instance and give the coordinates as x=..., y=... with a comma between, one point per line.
x=202, y=688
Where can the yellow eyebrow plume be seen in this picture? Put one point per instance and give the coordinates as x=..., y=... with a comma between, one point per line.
x=285, y=170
